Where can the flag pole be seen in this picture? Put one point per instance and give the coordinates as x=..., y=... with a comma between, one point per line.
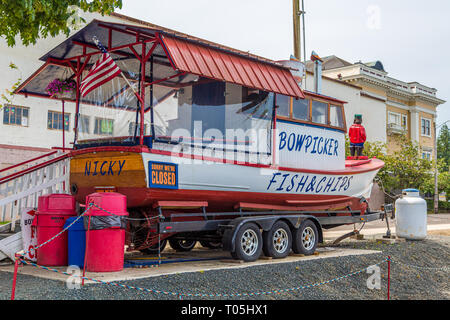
x=99, y=45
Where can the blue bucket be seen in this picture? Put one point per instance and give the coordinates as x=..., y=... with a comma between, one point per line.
x=76, y=242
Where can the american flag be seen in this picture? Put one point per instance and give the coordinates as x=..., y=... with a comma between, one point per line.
x=104, y=70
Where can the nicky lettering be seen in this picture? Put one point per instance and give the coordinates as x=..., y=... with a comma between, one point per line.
x=104, y=168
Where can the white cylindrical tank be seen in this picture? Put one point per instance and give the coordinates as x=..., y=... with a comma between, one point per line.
x=411, y=215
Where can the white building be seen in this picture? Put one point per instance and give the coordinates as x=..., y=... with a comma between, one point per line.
x=32, y=126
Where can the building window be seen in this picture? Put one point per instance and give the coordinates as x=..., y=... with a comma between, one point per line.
x=300, y=109
x=55, y=121
x=15, y=115
x=426, y=127
x=83, y=124
x=405, y=121
x=132, y=126
x=426, y=155
x=319, y=112
x=104, y=126
x=283, y=103
x=397, y=122
x=336, y=118
x=394, y=118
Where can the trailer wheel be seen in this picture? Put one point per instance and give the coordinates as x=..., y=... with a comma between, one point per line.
x=154, y=248
x=248, y=245
x=277, y=241
x=306, y=238
x=182, y=245
x=211, y=244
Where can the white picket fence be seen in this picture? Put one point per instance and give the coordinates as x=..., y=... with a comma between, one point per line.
x=26, y=186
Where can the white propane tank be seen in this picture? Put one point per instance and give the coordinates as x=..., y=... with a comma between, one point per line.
x=411, y=215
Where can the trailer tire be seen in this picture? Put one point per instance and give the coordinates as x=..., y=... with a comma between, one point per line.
x=306, y=238
x=154, y=249
x=211, y=244
x=181, y=245
x=277, y=242
x=248, y=244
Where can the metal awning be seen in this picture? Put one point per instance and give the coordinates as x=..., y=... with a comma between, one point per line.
x=210, y=62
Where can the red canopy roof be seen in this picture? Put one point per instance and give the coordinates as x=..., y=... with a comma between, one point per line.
x=218, y=64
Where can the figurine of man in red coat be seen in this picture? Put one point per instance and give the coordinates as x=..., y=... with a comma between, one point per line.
x=357, y=135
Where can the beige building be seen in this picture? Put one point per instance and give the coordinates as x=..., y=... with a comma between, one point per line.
x=408, y=107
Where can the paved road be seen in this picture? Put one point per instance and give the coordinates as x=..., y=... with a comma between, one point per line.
x=434, y=222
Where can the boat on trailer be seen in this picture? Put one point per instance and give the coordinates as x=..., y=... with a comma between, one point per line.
x=196, y=134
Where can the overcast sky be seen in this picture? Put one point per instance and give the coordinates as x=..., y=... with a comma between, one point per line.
x=410, y=37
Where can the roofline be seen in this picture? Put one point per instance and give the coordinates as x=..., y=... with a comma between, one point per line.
x=337, y=81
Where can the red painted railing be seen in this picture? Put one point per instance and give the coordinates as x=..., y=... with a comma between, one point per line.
x=36, y=167
x=28, y=161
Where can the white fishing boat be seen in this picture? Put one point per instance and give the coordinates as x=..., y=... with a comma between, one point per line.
x=192, y=124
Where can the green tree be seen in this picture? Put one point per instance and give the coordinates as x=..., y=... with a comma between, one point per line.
x=403, y=168
x=33, y=19
x=443, y=145
x=443, y=179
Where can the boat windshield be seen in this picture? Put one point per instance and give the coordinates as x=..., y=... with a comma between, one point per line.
x=215, y=114
x=195, y=112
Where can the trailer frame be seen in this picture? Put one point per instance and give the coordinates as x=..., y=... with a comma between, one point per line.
x=228, y=228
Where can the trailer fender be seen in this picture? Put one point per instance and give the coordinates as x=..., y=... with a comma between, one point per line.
x=265, y=223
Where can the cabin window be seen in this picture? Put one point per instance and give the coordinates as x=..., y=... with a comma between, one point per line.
x=319, y=112
x=104, y=127
x=300, y=109
x=284, y=105
x=336, y=118
x=132, y=129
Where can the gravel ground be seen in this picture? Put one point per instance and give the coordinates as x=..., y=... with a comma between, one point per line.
x=406, y=282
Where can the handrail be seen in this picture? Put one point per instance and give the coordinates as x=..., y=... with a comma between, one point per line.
x=28, y=161
x=32, y=169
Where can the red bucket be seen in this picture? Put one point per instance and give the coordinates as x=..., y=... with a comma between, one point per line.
x=53, y=211
x=105, y=241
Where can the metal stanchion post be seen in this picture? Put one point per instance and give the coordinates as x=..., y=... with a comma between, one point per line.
x=16, y=268
x=389, y=278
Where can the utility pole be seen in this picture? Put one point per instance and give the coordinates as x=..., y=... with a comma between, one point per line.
x=304, y=36
x=297, y=42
